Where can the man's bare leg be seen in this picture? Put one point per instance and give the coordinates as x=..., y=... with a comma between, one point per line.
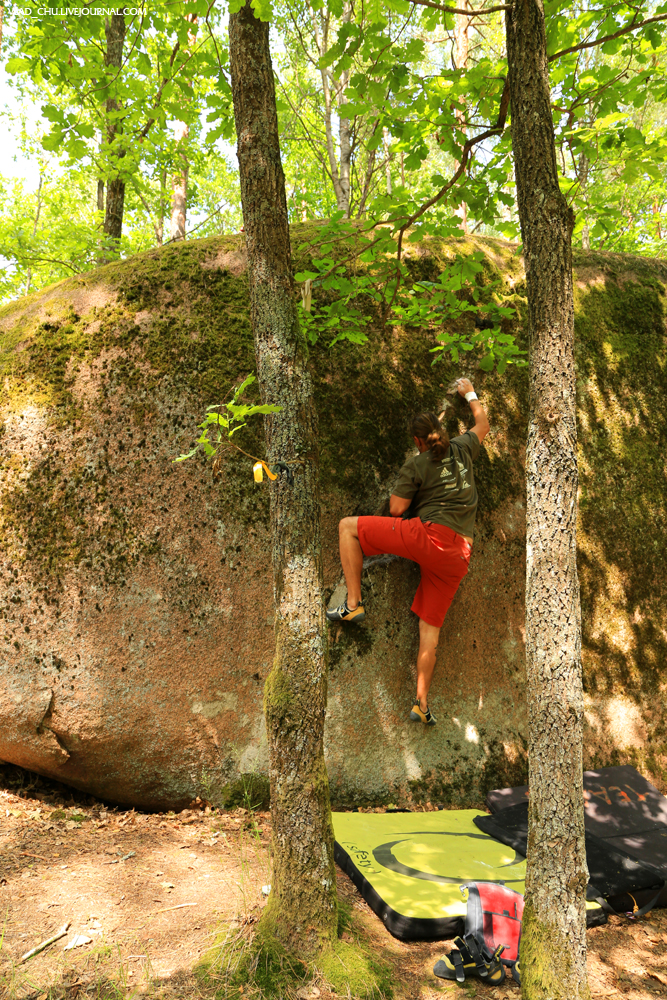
x=428, y=643
x=352, y=559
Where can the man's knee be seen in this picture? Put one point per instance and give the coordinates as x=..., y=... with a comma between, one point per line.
x=348, y=525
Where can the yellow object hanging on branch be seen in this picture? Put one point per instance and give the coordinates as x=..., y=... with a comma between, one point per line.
x=258, y=470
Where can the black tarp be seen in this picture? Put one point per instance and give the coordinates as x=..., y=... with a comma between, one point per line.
x=614, y=874
x=621, y=807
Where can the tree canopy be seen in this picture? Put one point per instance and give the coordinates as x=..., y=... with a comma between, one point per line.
x=393, y=123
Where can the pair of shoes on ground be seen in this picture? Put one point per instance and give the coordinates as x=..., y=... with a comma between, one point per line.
x=471, y=959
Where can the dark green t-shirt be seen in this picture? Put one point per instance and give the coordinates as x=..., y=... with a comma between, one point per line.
x=443, y=491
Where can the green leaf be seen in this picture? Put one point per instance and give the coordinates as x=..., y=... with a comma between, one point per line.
x=182, y=458
x=17, y=65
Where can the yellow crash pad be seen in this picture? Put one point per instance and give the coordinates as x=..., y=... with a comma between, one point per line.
x=411, y=867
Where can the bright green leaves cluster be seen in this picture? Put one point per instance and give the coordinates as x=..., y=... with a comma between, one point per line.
x=609, y=111
x=370, y=282
x=441, y=305
x=223, y=420
x=426, y=118
x=171, y=69
x=432, y=114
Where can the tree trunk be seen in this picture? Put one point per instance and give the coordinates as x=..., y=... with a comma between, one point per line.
x=38, y=212
x=461, y=51
x=583, y=168
x=656, y=219
x=301, y=912
x=345, y=137
x=114, y=30
x=387, y=159
x=553, y=944
x=159, y=231
x=179, y=185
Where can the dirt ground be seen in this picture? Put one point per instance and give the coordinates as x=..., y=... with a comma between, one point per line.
x=144, y=897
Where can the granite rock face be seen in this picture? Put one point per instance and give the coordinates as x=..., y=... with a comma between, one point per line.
x=136, y=594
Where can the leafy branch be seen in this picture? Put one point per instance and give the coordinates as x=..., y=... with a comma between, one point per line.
x=221, y=423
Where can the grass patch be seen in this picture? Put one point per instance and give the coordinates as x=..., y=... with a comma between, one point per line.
x=350, y=969
x=245, y=962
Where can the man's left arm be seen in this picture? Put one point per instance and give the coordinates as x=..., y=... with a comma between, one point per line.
x=398, y=505
x=482, y=427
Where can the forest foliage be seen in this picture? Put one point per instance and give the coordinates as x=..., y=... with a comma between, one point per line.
x=393, y=120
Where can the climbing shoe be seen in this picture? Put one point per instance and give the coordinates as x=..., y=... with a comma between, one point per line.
x=344, y=614
x=471, y=960
x=516, y=971
x=418, y=716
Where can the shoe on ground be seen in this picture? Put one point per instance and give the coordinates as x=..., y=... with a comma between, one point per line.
x=471, y=961
x=344, y=614
x=426, y=717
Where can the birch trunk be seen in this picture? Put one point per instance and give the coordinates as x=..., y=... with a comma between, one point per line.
x=553, y=945
x=301, y=912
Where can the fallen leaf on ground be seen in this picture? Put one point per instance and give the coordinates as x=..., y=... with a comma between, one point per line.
x=660, y=978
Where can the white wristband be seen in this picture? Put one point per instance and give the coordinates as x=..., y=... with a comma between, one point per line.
x=470, y=395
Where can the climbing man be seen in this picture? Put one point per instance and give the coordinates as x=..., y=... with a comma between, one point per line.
x=438, y=486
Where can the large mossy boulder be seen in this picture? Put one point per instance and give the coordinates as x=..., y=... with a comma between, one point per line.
x=136, y=594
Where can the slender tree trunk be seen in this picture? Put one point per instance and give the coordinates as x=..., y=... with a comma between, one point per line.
x=656, y=219
x=159, y=230
x=387, y=158
x=100, y=195
x=345, y=139
x=114, y=30
x=461, y=51
x=368, y=179
x=553, y=944
x=179, y=184
x=302, y=911
x=583, y=167
x=38, y=212
x=344, y=132
x=179, y=181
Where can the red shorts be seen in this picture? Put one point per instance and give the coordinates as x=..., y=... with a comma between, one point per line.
x=443, y=558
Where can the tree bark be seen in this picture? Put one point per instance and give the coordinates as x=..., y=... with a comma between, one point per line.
x=38, y=212
x=333, y=89
x=114, y=30
x=387, y=159
x=553, y=944
x=179, y=184
x=461, y=51
x=301, y=912
x=159, y=232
